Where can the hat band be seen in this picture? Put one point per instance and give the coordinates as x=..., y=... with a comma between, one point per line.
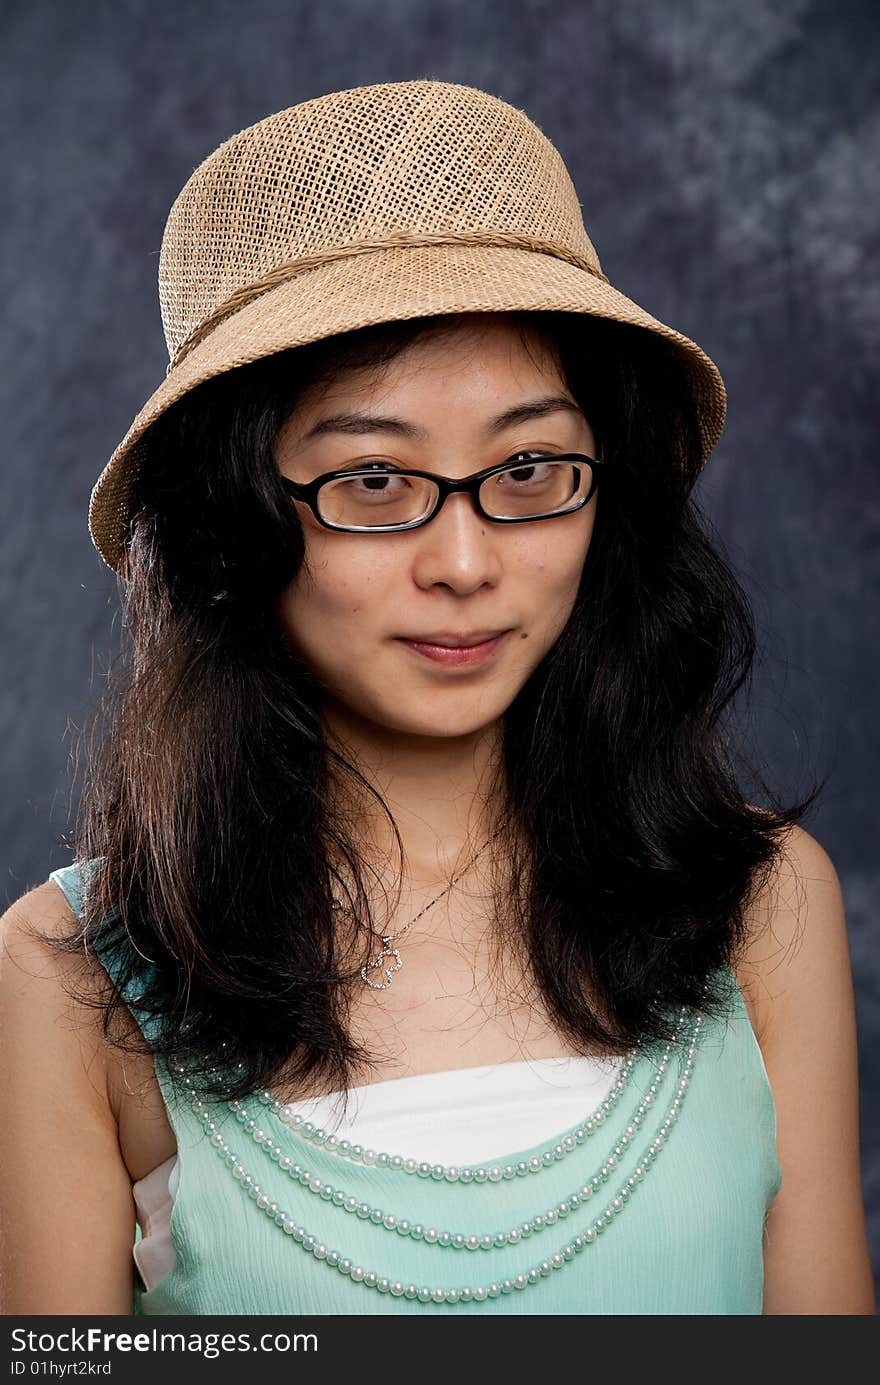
x=511, y=240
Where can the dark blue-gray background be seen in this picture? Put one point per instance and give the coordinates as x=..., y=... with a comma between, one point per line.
x=726, y=158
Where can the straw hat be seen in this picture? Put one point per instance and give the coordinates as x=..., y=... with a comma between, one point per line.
x=382, y=202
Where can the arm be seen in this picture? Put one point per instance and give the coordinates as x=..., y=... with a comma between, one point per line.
x=797, y=981
x=67, y=1214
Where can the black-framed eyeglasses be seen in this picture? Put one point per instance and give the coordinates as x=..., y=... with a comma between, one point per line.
x=380, y=498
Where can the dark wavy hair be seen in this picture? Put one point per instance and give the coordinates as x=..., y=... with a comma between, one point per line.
x=630, y=854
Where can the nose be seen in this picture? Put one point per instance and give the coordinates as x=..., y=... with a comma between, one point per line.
x=458, y=548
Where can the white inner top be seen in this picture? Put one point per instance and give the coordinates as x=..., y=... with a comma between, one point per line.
x=464, y=1116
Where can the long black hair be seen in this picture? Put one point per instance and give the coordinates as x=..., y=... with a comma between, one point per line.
x=630, y=854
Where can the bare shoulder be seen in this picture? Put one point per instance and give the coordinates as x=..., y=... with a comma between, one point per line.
x=44, y=906
x=40, y=983
x=796, y=979
x=42, y=910
x=796, y=957
x=28, y=929
x=59, y=1145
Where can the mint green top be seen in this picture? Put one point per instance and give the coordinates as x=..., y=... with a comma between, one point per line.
x=688, y=1239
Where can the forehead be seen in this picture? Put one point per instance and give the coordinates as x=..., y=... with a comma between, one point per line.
x=486, y=369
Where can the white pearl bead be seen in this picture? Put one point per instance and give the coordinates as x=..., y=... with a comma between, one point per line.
x=445, y=1238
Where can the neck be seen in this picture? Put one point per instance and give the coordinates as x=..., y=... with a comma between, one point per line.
x=440, y=791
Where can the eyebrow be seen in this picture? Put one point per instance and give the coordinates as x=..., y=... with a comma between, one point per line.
x=357, y=423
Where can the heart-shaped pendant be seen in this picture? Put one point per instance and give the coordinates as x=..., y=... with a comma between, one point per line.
x=376, y=965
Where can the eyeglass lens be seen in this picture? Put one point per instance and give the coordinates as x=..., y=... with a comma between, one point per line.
x=524, y=491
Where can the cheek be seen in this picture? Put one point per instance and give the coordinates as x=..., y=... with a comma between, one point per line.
x=550, y=575
x=331, y=597
x=555, y=559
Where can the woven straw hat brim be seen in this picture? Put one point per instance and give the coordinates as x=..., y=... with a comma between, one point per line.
x=374, y=287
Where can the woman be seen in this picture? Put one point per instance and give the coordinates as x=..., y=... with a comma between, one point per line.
x=421, y=792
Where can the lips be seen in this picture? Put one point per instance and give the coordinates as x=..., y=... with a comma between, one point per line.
x=457, y=651
x=450, y=641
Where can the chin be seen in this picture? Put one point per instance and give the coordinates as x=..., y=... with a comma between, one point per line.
x=443, y=726
x=440, y=731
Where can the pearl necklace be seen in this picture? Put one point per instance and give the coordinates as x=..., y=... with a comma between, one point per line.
x=440, y=1172
x=458, y=1240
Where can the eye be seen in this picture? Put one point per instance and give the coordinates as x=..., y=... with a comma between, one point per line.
x=530, y=456
x=530, y=472
x=380, y=482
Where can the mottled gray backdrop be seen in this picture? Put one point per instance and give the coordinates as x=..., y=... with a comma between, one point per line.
x=722, y=153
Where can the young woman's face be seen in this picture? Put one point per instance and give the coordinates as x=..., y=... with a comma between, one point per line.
x=360, y=600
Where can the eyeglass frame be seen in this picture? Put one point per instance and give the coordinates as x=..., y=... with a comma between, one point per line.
x=307, y=491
